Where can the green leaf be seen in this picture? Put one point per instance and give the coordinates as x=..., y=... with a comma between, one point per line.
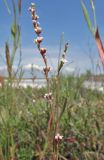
x=98, y=125
x=87, y=18
x=93, y=9
x=8, y=59
x=63, y=108
x=6, y=4
x=13, y=30
x=92, y=5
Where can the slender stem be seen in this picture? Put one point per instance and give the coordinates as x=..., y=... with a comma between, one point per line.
x=57, y=151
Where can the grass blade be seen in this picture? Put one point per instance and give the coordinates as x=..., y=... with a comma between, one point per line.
x=93, y=9
x=92, y=5
x=8, y=60
x=6, y=4
x=63, y=109
x=87, y=18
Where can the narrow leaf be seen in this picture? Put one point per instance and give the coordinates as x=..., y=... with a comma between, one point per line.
x=8, y=60
x=93, y=9
x=6, y=4
x=99, y=46
x=14, y=11
x=97, y=125
x=63, y=108
x=13, y=30
x=92, y=5
x=87, y=18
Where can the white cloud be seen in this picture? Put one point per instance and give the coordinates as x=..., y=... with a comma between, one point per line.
x=34, y=66
x=31, y=56
x=69, y=69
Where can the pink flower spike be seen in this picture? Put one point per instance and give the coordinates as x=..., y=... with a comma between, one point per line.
x=38, y=30
x=38, y=40
x=43, y=51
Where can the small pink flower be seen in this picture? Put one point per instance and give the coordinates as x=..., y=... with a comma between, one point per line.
x=32, y=10
x=36, y=17
x=34, y=100
x=38, y=30
x=34, y=23
x=48, y=96
x=43, y=51
x=33, y=4
x=46, y=69
x=32, y=7
x=38, y=40
x=58, y=137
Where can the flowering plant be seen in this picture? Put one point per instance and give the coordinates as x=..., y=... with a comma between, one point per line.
x=53, y=135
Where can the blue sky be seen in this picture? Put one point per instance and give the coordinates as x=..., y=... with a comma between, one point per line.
x=56, y=16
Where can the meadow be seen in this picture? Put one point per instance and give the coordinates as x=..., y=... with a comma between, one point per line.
x=25, y=122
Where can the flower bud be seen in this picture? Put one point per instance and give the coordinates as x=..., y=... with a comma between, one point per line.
x=46, y=69
x=32, y=10
x=38, y=30
x=36, y=17
x=43, y=51
x=33, y=5
x=48, y=96
x=34, y=23
x=63, y=60
x=38, y=40
x=58, y=137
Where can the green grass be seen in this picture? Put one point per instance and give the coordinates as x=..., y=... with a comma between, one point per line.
x=23, y=123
